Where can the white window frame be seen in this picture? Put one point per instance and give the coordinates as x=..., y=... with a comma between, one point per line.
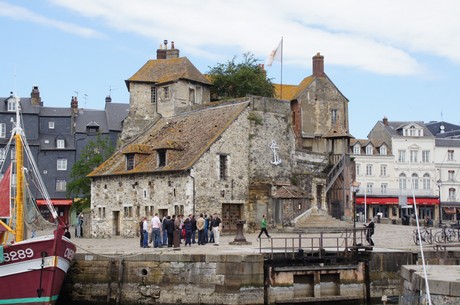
x=383, y=170
x=402, y=181
x=358, y=169
x=401, y=155
x=452, y=194
x=383, y=150
x=368, y=169
x=413, y=156
x=450, y=155
x=60, y=143
x=369, y=149
x=369, y=188
x=426, y=182
x=61, y=185
x=451, y=175
x=61, y=164
x=2, y=130
x=425, y=156
x=12, y=104
x=51, y=125
x=414, y=181
x=383, y=188
x=357, y=149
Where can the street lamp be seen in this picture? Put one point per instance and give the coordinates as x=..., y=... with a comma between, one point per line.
x=439, y=183
x=354, y=190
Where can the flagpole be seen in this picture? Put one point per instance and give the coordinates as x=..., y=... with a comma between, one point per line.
x=281, y=67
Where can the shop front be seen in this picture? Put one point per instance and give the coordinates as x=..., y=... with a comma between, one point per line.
x=62, y=207
x=394, y=208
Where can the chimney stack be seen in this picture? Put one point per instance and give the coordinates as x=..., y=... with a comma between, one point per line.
x=74, y=103
x=385, y=121
x=164, y=53
x=318, y=65
x=108, y=99
x=35, y=98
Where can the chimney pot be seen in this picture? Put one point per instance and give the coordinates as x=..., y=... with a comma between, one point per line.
x=172, y=44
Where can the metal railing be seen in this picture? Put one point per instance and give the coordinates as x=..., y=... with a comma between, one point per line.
x=316, y=243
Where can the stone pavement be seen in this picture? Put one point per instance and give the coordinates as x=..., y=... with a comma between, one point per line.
x=387, y=237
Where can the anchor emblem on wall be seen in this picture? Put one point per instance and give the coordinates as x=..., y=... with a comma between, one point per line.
x=276, y=158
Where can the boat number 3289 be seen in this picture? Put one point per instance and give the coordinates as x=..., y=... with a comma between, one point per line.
x=12, y=256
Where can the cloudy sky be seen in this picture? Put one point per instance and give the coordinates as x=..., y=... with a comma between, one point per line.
x=399, y=59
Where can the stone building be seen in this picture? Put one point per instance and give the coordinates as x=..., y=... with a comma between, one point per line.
x=240, y=158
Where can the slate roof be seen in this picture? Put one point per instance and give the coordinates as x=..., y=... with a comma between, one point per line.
x=447, y=142
x=186, y=137
x=116, y=113
x=26, y=106
x=58, y=112
x=395, y=128
x=449, y=130
x=89, y=117
x=168, y=70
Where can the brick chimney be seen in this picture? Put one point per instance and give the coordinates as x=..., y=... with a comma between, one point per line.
x=74, y=104
x=35, y=98
x=385, y=121
x=318, y=65
x=164, y=53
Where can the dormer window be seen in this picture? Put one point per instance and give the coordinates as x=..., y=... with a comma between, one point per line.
x=161, y=157
x=413, y=131
x=60, y=143
x=369, y=149
x=383, y=150
x=129, y=162
x=12, y=104
x=357, y=149
x=92, y=129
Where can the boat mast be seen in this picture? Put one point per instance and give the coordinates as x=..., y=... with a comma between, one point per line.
x=19, y=200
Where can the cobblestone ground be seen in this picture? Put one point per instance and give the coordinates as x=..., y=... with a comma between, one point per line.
x=387, y=237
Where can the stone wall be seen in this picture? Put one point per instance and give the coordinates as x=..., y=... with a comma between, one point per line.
x=165, y=279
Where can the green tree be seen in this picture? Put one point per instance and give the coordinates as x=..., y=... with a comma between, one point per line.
x=232, y=80
x=93, y=154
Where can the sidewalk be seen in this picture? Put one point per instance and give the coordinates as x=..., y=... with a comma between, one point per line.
x=387, y=237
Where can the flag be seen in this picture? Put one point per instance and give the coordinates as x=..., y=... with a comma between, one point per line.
x=275, y=54
x=5, y=202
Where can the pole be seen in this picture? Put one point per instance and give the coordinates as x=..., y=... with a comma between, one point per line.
x=282, y=43
x=440, y=204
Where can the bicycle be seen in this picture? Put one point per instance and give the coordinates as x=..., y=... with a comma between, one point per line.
x=445, y=235
x=425, y=235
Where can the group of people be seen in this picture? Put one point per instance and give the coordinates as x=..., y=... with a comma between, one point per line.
x=160, y=232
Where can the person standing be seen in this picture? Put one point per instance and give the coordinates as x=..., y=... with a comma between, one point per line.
x=164, y=232
x=145, y=231
x=156, y=231
x=188, y=231
x=194, y=228
x=141, y=231
x=216, y=228
x=200, y=227
x=206, y=229
x=169, y=227
x=211, y=233
x=263, y=227
x=370, y=231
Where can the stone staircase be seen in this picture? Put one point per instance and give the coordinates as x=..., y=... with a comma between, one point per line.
x=316, y=220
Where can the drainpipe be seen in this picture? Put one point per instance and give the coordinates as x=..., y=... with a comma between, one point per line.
x=193, y=191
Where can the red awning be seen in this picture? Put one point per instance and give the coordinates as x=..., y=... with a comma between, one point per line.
x=55, y=202
x=395, y=200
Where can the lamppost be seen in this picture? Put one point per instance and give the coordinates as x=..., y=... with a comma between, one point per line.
x=439, y=183
x=354, y=190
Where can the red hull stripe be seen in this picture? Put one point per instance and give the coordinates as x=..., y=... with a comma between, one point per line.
x=30, y=301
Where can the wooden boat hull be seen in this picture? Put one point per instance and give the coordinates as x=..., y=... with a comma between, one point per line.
x=32, y=271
